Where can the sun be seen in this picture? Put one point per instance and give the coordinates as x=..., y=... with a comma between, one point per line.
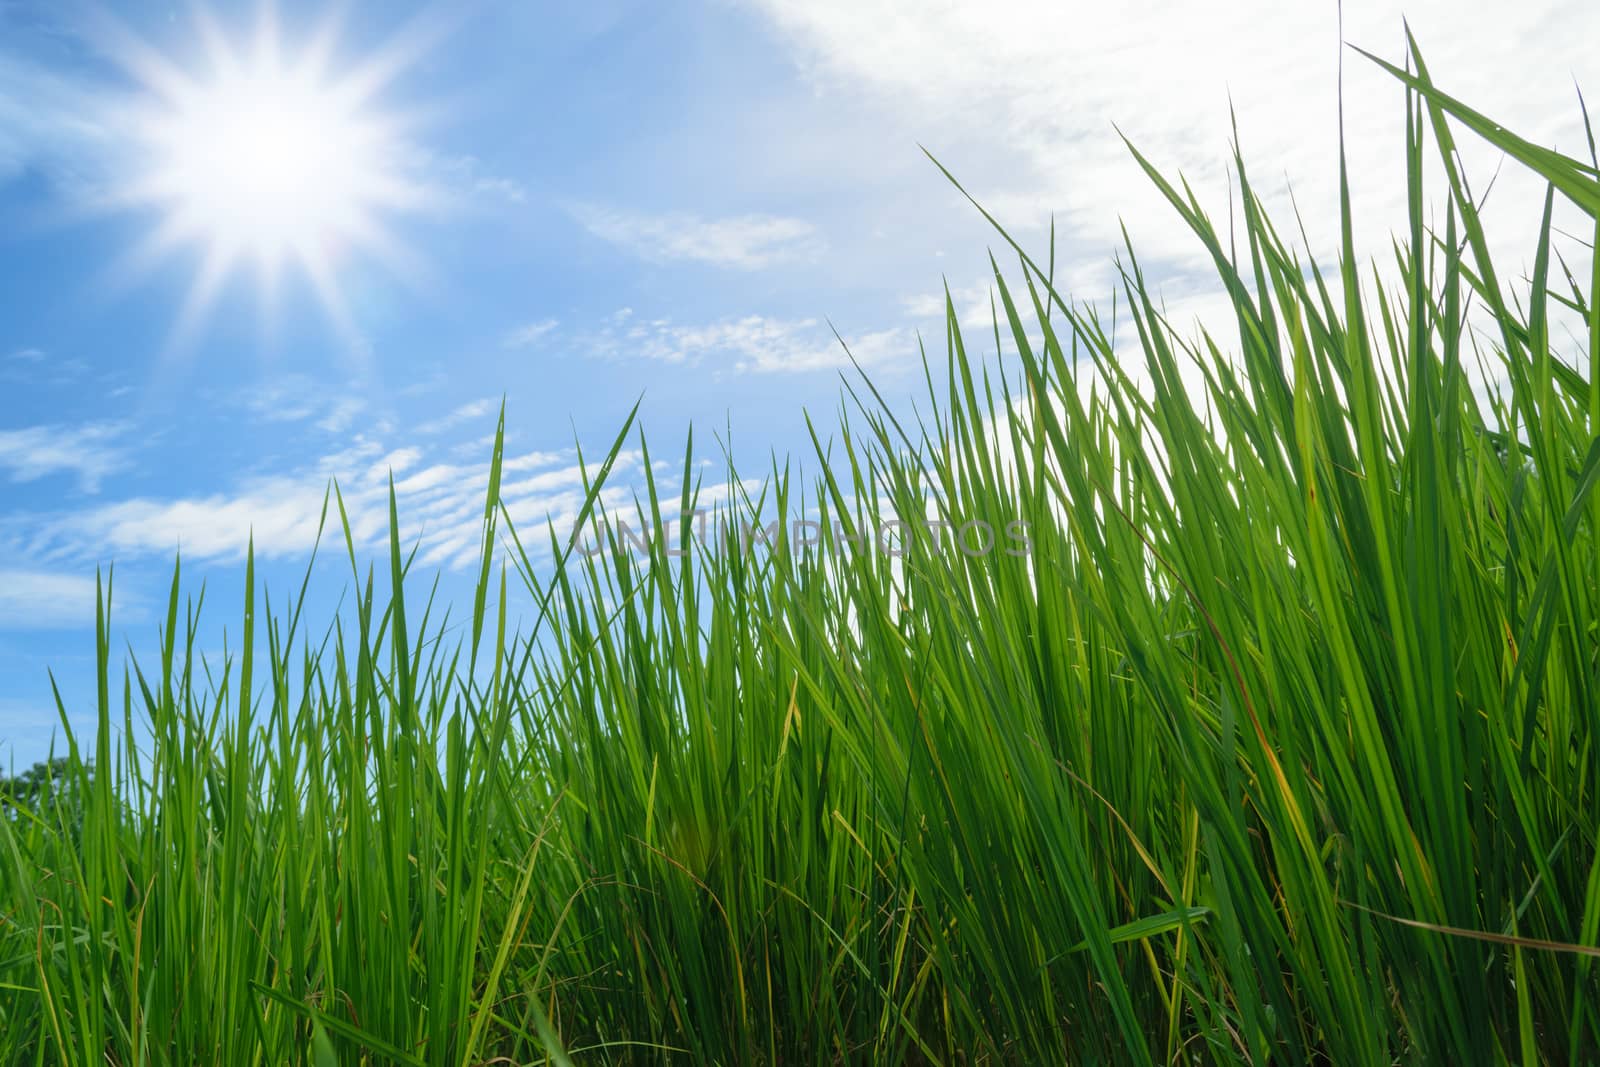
x=264, y=161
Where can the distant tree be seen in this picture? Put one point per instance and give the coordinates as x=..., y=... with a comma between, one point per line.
x=40, y=789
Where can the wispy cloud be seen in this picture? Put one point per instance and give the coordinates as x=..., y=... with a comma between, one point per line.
x=468, y=412
x=91, y=452
x=753, y=343
x=35, y=366
x=440, y=504
x=330, y=407
x=467, y=176
x=48, y=123
x=530, y=333
x=340, y=414
x=743, y=242
x=35, y=600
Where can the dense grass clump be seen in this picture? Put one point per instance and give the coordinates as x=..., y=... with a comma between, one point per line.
x=1278, y=745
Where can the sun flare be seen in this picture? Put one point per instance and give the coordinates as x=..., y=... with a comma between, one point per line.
x=260, y=160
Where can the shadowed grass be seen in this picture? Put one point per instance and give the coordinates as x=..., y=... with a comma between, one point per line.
x=1279, y=745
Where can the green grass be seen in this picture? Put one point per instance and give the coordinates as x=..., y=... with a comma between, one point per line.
x=1280, y=747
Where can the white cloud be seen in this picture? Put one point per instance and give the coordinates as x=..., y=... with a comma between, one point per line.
x=332, y=408
x=91, y=452
x=529, y=333
x=467, y=176
x=473, y=410
x=526, y=461
x=744, y=242
x=440, y=505
x=753, y=343
x=758, y=351
x=1025, y=93
x=341, y=413
x=281, y=514
x=35, y=366
x=395, y=463
x=972, y=302
x=34, y=600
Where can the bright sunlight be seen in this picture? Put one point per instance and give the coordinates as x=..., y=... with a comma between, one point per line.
x=265, y=160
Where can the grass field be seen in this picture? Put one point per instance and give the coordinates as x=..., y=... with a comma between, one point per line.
x=1279, y=745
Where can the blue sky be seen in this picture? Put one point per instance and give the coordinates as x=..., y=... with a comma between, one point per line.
x=601, y=202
